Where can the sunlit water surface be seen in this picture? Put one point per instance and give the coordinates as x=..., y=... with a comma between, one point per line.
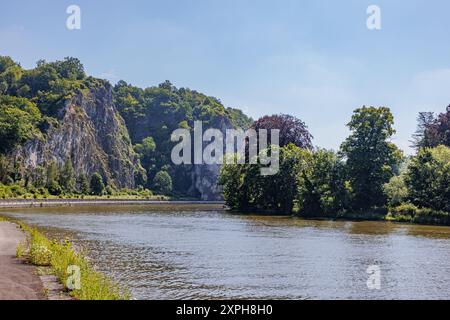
x=199, y=253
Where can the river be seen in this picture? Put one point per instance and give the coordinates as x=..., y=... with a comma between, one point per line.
x=195, y=252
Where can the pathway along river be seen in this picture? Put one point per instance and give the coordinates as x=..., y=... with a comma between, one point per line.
x=190, y=252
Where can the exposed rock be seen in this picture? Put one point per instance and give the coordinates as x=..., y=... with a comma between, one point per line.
x=205, y=177
x=92, y=134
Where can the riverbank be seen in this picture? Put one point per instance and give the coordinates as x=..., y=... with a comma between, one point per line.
x=18, y=280
x=26, y=203
x=33, y=267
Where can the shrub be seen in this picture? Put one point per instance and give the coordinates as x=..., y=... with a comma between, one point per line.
x=163, y=182
x=96, y=185
x=93, y=285
x=396, y=191
x=433, y=217
x=54, y=188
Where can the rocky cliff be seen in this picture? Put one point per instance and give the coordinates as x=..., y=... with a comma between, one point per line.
x=91, y=133
x=205, y=177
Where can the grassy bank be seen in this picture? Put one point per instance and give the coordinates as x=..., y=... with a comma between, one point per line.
x=405, y=213
x=59, y=256
x=411, y=214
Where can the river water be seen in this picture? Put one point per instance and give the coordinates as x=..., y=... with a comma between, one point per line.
x=195, y=252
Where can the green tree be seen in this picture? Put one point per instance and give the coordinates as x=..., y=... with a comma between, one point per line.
x=428, y=178
x=245, y=189
x=83, y=184
x=277, y=192
x=67, y=179
x=323, y=190
x=232, y=179
x=96, y=185
x=372, y=159
x=18, y=120
x=52, y=174
x=146, y=152
x=396, y=190
x=163, y=182
x=5, y=169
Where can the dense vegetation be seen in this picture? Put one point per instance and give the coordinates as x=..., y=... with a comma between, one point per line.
x=367, y=179
x=152, y=114
x=31, y=100
x=59, y=257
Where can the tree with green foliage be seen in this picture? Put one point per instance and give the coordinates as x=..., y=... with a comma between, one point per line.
x=371, y=159
x=245, y=189
x=83, y=184
x=96, y=184
x=5, y=170
x=157, y=111
x=396, y=190
x=146, y=152
x=428, y=178
x=67, y=179
x=52, y=178
x=323, y=190
x=163, y=182
x=18, y=121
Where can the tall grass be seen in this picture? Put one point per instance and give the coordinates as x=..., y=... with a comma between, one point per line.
x=59, y=256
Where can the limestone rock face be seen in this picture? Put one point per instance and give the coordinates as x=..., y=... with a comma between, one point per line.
x=205, y=177
x=92, y=134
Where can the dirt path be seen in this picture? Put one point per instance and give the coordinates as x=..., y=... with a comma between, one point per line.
x=18, y=281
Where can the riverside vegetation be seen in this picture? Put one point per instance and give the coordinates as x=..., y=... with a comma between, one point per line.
x=59, y=256
x=368, y=178
x=66, y=134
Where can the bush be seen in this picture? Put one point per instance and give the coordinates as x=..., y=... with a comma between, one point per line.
x=403, y=213
x=163, y=182
x=109, y=191
x=396, y=191
x=432, y=217
x=54, y=188
x=93, y=285
x=17, y=190
x=96, y=185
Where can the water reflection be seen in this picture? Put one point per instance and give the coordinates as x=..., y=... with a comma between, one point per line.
x=203, y=253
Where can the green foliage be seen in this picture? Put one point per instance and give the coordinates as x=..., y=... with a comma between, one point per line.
x=146, y=152
x=428, y=178
x=157, y=111
x=404, y=212
x=163, y=182
x=396, y=190
x=18, y=121
x=67, y=178
x=83, y=184
x=245, y=189
x=54, y=188
x=372, y=160
x=59, y=257
x=96, y=184
x=323, y=190
x=410, y=213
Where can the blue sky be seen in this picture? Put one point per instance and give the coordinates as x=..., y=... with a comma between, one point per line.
x=314, y=59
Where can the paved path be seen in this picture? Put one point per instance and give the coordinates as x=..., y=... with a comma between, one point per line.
x=18, y=281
